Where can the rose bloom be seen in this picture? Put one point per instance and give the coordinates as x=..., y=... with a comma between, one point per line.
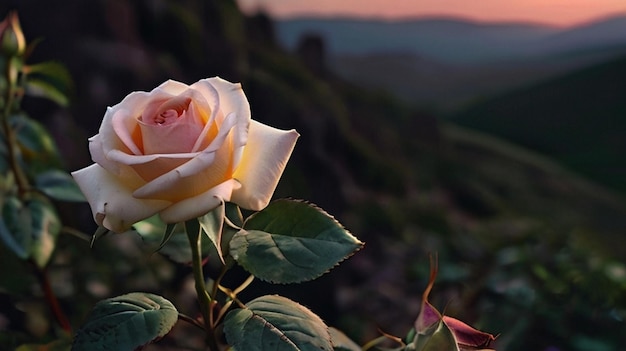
x=180, y=151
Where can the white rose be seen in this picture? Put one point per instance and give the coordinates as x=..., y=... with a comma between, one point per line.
x=179, y=151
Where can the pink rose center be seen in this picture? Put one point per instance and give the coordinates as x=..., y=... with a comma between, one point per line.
x=166, y=117
x=171, y=126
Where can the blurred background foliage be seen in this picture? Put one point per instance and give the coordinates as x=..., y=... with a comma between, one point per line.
x=527, y=248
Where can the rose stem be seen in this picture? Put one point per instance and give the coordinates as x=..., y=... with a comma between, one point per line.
x=51, y=299
x=10, y=140
x=192, y=227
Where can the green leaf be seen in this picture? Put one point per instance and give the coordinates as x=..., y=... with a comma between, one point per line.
x=233, y=215
x=30, y=228
x=291, y=241
x=126, y=322
x=45, y=229
x=212, y=224
x=59, y=185
x=42, y=88
x=37, y=146
x=341, y=342
x=52, y=72
x=276, y=323
x=15, y=227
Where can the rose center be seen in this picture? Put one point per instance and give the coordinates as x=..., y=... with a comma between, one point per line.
x=166, y=117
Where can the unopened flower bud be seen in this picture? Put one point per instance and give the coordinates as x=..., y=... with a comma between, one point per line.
x=12, y=41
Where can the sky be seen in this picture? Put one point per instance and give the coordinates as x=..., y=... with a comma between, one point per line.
x=561, y=13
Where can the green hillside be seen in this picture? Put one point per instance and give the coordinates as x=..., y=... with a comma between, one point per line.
x=578, y=119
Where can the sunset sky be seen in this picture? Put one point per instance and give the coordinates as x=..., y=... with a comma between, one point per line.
x=555, y=12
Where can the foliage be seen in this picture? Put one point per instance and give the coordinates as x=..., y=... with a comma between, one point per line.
x=29, y=223
x=126, y=322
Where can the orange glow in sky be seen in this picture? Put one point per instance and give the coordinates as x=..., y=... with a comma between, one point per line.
x=555, y=12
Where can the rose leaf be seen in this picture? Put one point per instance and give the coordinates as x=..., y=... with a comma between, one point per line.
x=30, y=228
x=126, y=322
x=36, y=145
x=15, y=227
x=59, y=185
x=291, y=241
x=45, y=228
x=273, y=322
x=341, y=342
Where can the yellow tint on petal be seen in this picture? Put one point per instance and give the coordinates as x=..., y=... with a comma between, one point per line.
x=174, y=187
x=200, y=204
x=156, y=168
x=137, y=138
x=122, y=126
x=262, y=164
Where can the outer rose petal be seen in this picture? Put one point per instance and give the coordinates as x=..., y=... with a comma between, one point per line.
x=231, y=100
x=171, y=87
x=111, y=202
x=263, y=162
x=198, y=205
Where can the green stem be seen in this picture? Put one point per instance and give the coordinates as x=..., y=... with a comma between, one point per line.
x=185, y=318
x=10, y=138
x=194, y=233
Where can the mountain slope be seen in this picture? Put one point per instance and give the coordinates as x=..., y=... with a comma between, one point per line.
x=579, y=119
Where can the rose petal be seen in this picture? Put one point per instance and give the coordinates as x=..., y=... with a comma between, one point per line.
x=97, y=155
x=111, y=202
x=180, y=133
x=178, y=137
x=264, y=159
x=119, y=135
x=149, y=167
x=231, y=100
x=126, y=159
x=206, y=170
x=125, y=126
x=200, y=204
x=171, y=87
x=209, y=102
x=119, y=124
x=126, y=175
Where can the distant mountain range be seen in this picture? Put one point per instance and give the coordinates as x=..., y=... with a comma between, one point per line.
x=552, y=90
x=446, y=63
x=449, y=40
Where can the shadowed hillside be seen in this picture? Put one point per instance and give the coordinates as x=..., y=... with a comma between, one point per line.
x=578, y=119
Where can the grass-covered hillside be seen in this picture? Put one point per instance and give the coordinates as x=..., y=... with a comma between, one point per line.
x=578, y=119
